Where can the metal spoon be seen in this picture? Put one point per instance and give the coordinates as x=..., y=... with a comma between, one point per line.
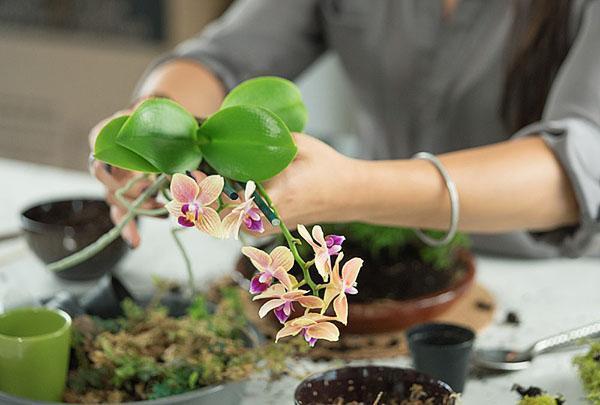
x=512, y=360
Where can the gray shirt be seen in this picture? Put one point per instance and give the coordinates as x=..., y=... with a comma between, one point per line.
x=424, y=84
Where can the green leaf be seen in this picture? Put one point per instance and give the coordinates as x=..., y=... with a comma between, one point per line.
x=246, y=143
x=107, y=150
x=278, y=95
x=163, y=133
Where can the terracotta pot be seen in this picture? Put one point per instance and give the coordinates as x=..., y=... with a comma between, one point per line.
x=386, y=315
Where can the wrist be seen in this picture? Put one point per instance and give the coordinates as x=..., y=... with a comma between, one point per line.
x=354, y=195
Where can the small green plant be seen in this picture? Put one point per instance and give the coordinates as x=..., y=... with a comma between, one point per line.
x=589, y=372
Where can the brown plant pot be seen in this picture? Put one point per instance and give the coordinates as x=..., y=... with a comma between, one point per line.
x=386, y=315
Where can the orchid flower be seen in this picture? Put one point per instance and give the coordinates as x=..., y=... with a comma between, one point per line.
x=319, y=245
x=341, y=285
x=191, y=202
x=246, y=213
x=281, y=301
x=270, y=266
x=334, y=244
x=311, y=326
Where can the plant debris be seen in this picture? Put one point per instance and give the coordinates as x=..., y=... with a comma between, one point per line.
x=417, y=396
x=512, y=318
x=589, y=372
x=147, y=354
x=536, y=396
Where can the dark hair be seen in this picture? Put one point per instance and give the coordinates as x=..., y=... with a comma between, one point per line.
x=539, y=44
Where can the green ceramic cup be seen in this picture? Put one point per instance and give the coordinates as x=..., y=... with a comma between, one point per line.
x=34, y=353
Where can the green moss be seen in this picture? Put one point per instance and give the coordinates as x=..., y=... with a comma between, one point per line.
x=539, y=400
x=589, y=372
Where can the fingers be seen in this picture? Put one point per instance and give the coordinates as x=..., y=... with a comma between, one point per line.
x=130, y=233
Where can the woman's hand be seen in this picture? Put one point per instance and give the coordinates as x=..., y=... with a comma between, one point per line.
x=113, y=179
x=318, y=186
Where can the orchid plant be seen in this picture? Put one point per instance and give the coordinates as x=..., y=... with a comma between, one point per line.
x=210, y=173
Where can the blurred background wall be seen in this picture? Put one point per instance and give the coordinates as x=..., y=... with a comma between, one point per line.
x=66, y=64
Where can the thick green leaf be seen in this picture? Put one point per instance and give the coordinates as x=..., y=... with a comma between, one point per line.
x=163, y=133
x=107, y=150
x=246, y=143
x=273, y=93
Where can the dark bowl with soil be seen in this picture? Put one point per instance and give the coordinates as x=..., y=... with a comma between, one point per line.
x=56, y=229
x=373, y=385
x=397, y=290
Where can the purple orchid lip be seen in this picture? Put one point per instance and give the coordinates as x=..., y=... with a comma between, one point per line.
x=280, y=314
x=184, y=221
x=254, y=225
x=311, y=340
x=256, y=286
x=284, y=311
x=334, y=244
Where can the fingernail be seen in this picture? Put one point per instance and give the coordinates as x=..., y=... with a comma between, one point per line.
x=107, y=168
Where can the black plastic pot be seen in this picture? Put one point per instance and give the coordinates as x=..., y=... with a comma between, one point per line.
x=56, y=229
x=442, y=351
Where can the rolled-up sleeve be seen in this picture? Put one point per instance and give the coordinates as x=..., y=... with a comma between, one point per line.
x=571, y=127
x=255, y=38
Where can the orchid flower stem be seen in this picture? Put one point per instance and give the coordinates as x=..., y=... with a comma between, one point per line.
x=321, y=286
x=230, y=191
x=289, y=238
x=166, y=193
x=300, y=284
x=186, y=259
x=111, y=235
x=151, y=213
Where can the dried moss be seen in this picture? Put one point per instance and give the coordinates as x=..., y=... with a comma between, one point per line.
x=148, y=355
x=589, y=372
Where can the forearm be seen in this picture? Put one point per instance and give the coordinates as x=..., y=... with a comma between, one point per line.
x=188, y=83
x=512, y=185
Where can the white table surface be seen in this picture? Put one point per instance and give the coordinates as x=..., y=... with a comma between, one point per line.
x=549, y=295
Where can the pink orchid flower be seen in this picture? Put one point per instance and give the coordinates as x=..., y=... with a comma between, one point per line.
x=319, y=245
x=191, y=202
x=281, y=301
x=246, y=213
x=311, y=326
x=270, y=266
x=342, y=284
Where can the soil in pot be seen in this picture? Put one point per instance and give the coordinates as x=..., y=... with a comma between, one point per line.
x=400, y=275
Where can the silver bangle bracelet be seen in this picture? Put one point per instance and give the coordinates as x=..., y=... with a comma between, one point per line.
x=454, y=203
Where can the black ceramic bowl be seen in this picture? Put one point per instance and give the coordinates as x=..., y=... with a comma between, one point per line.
x=57, y=229
x=363, y=385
